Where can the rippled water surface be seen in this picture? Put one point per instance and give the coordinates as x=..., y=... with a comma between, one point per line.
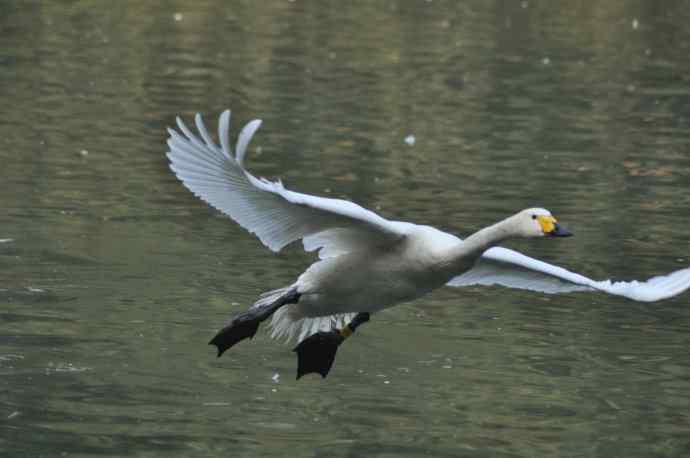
x=113, y=277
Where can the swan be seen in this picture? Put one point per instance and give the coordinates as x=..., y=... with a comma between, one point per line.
x=366, y=262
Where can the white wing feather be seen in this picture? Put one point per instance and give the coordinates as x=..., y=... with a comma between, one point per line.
x=501, y=266
x=276, y=215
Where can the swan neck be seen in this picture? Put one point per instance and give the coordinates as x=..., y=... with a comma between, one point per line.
x=467, y=252
x=488, y=237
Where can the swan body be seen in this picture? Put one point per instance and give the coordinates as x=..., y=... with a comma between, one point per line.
x=366, y=262
x=368, y=281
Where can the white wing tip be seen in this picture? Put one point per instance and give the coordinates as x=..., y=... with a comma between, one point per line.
x=223, y=133
x=244, y=138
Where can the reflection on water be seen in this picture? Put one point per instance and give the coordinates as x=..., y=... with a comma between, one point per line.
x=115, y=277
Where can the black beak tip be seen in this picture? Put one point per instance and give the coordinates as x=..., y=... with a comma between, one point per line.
x=558, y=231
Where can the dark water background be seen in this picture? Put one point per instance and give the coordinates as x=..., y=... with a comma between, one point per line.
x=113, y=277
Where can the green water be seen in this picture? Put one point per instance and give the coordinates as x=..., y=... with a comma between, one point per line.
x=113, y=277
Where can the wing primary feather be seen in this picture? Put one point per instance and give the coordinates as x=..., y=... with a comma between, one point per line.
x=244, y=138
x=177, y=141
x=191, y=138
x=200, y=170
x=224, y=134
x=183, y=153
x=201, y=127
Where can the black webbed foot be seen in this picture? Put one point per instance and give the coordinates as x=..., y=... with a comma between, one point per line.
x=246, y=324
x=240, y=328
x=316, y=353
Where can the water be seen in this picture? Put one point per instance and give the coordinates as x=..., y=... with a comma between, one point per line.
x=114, y=277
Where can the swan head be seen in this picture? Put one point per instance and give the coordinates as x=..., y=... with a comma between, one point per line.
x=538, y=222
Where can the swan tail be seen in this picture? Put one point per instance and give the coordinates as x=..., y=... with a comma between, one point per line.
x=275, y=296
x=288, y=323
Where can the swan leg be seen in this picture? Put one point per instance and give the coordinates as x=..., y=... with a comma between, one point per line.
x=316, y=353
x=246, y=324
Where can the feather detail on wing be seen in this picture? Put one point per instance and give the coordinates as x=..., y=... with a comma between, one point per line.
x=289, y=328
x=276, y=215
x=501, y=266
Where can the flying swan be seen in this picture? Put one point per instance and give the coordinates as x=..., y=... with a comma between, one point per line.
x=366, y=262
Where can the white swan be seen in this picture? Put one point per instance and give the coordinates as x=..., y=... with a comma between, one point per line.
x=367, y=263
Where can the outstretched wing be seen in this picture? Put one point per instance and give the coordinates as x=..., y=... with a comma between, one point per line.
x=276, y=215
x=501, y=266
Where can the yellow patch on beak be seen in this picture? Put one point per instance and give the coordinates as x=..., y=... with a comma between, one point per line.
x=547, y=223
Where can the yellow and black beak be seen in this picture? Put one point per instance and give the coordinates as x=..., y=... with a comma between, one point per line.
x=551, y=227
